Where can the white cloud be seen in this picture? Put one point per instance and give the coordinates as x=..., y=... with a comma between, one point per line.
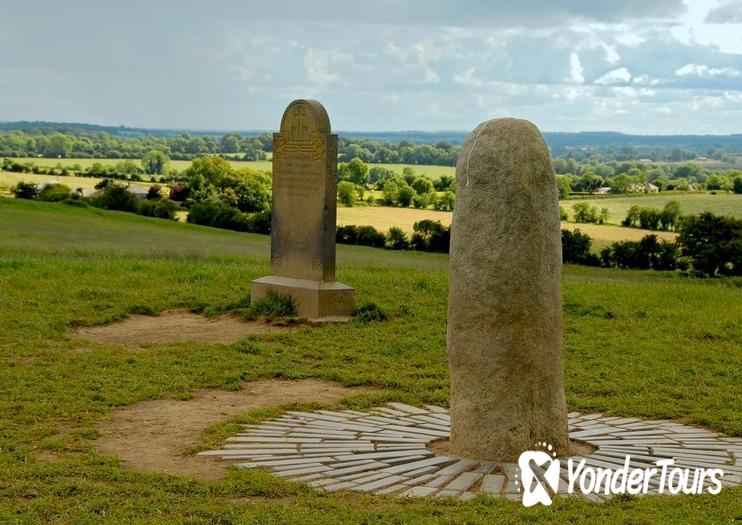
x=431, y=76
x=318, y=63
x=702, y=70
x=575, y=69
x=617, y=76
x=645, y=80
x=571, y=94
x=630, y=39
x=467, y=78
x=564, y=65
x=611, y=55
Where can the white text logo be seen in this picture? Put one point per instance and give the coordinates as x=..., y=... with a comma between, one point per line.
x=542, y=480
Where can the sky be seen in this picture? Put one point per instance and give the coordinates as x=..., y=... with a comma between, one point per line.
x=635, y=66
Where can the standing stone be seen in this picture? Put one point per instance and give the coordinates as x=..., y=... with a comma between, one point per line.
x=505, y=304
x=303, y=217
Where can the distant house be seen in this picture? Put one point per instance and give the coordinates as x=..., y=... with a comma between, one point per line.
x=645, y=160
x=140, y=192
x=701, y=158
x=647, y=187
x=604, y=190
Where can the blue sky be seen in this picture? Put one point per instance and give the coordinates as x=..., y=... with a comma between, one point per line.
x=637, y=66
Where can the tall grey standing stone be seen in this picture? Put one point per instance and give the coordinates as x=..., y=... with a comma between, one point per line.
x=505, y=304
x=304, y=215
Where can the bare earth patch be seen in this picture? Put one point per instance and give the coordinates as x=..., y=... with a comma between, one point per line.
x=153, y=435
x=175, y=326
x=47, y=455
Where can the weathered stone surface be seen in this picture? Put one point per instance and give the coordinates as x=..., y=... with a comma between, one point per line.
x=304, y=215
x=505, y=306
x=304, y=175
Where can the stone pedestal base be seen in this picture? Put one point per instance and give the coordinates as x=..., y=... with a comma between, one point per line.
x=315, y=300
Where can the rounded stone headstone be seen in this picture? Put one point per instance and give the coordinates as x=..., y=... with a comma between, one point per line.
x=303, y=216
x=505, y=304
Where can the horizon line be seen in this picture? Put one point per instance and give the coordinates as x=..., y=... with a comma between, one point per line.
x=350, y=131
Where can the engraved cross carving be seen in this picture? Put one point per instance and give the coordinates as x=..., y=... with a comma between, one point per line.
x=299, y=129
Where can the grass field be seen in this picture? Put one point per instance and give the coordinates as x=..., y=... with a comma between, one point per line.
x=691, y=203
x=383, y=218
x=635, y=344
x=433, y=172
x=8, y=180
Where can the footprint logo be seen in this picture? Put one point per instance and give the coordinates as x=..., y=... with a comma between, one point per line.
x=548, y=466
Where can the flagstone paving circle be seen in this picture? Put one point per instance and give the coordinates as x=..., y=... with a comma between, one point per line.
x=384, y=451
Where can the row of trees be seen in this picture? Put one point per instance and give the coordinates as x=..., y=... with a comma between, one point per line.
x=403, y=190
x=626, y=177
x=405, y=152
x=154, y=162
x=83, y=144
x=427, y=236
x=584, y=213
x=645, y=254
x=112, y=196
x=49, y=143
x=653, y=154
x=707, y=244
x=82, y=141
x=667, y=218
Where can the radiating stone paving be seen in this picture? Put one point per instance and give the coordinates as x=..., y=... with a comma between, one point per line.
x=383, y=451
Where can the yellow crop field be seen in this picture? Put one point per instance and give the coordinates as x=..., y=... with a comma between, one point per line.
x=382, y=218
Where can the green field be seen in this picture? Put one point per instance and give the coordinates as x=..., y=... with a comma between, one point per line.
x=691, y=203
x=260, y=165
x=433, y=172
x=635, y=344
x=8, y=180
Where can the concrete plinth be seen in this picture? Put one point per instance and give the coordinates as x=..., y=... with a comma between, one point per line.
x=315, y=300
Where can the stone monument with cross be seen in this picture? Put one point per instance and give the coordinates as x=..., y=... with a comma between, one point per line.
x=304, y=214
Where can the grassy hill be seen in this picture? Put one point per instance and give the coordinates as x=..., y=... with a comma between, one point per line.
x=636, y=343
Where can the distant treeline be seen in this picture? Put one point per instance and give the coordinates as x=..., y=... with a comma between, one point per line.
x=101, y=145
x=51, y=139
x=83, y=144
